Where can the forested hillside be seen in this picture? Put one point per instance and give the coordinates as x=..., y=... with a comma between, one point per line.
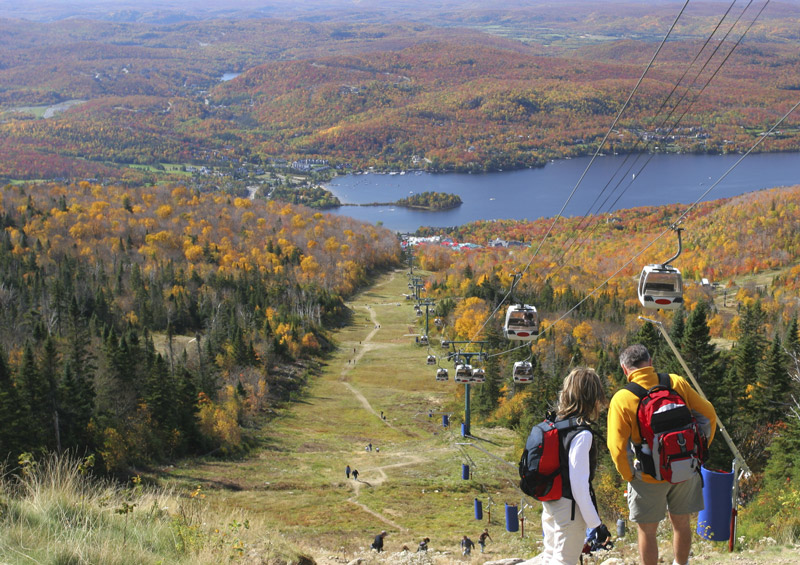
x=159, y=322
x=384, y=95
x=738, y=333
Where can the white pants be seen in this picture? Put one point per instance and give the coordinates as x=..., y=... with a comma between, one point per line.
x=563, y=536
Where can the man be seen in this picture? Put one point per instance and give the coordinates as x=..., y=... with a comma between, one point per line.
x=482, y=539
x=377, y=544
x=466, y=546
x=649, y=498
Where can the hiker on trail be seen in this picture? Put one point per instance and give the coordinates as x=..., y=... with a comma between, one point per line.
x=648, y=497
x=377, y=544
x=466, y=545
x=355, y=474
x=482, y=539
x=347, y=471
x=369, y=447
x=566, y=520
x=423, y=545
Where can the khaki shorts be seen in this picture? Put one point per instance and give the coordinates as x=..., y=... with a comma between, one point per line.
x=649, y=502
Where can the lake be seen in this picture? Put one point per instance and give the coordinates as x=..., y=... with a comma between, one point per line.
x=619, y=181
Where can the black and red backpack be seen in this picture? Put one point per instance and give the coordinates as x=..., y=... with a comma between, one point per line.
x=543, y=468
x=672, y=448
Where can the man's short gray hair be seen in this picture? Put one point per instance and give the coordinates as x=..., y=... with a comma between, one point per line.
x=634, y=356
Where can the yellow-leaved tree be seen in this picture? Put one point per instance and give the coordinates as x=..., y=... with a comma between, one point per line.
x=470, y=316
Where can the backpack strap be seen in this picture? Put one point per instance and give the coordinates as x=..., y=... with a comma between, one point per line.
x=567, y=430
x=637, y=389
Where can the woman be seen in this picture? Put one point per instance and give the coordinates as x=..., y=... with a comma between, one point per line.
x=566, y=520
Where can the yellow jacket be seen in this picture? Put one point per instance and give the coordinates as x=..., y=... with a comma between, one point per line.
x=623, y=429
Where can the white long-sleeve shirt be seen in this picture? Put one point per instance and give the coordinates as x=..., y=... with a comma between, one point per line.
x=579, y=477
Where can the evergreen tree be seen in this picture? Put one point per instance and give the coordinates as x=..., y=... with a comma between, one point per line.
x=34, y=400
x=700, y=354
x=542, y=394
x=12, y=424
x=49, y=371
x=649, y=337
x=774, y=384
x=667, y=361
x=160, y=395
x=744, y=415
x=793, y=346
x=78, y=397
x=486, y=395
x=748, y=355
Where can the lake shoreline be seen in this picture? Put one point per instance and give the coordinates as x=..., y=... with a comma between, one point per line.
x=529, y=194
x=408, y=206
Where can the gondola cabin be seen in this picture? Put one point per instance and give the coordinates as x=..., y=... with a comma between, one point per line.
x=478, y=376
x=431, y=360
x=441, y=374
x=423, y=340
x=522, y=323
x=463, y=373
x=438, y=322
x=419, y=313
x=523, y=372
x=445, y=344
x=661, y=287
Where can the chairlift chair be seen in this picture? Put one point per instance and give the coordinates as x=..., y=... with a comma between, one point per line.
x=523, y=372
x=478, y=375
x=441, y=374
x=522, y=323
x=431, y=360
x=463, y=373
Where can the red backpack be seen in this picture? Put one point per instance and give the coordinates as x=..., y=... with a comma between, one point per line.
x=543, y=470
x=672, y=449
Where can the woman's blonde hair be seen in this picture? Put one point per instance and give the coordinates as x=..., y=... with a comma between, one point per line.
x=581, y=395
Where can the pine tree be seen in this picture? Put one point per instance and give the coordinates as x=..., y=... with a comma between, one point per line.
x=743, y=415
x=700, y=354
x=34, y=400
x=49, y=370
x=774, y=383
x=486, y=395
x=11, y=415
x=649, y=337
x=78, y=396
x=667, y=362
x=793, y=346
x=748, y=355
